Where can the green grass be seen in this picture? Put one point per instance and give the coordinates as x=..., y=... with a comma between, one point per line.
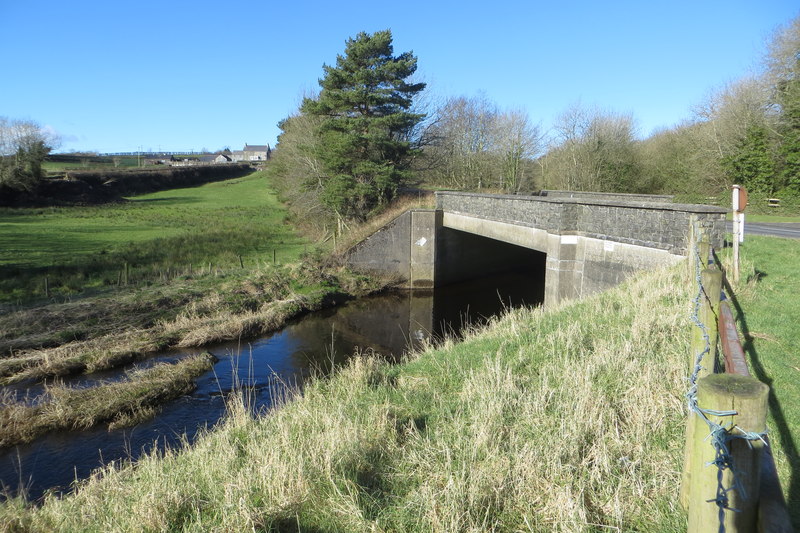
x=563, y=420
x=157, y=235
x=768, y=315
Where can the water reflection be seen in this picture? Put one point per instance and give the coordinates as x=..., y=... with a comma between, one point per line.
x=386, y=324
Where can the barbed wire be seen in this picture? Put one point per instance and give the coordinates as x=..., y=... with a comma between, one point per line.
x=719, y=435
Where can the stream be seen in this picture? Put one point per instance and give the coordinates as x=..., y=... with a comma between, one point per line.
x=387, y=324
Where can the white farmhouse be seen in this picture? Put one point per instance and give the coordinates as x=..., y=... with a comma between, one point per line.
x=252, y=152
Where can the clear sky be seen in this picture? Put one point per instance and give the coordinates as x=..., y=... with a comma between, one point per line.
x=180, y=75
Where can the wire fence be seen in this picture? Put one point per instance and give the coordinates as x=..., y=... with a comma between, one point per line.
x=726, y=429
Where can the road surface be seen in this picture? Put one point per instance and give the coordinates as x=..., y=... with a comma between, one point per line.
x=773, y=229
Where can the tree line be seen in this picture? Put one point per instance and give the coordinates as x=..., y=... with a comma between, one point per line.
x=366, y=134
x=352, y=146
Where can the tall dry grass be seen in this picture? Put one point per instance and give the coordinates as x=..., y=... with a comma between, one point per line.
x=561, y=420
x=118, y=404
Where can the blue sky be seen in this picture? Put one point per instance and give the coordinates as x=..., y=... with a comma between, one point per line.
x=182, y=75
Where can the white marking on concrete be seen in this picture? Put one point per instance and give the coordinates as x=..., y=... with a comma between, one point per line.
x=421, y=242
x=569, y=239
x=608, y=246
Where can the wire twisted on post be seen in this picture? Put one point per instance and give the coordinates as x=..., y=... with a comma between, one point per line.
x=719, y=435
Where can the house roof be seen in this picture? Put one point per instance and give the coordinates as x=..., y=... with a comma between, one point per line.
x=256, y=148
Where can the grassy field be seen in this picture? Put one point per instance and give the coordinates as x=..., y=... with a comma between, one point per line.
x=65, y=251
x=199, y=268
x=768, y=311
x=58, y=163
x=89, y=164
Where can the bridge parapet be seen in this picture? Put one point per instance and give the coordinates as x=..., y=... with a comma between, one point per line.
x=624, y=197
x=659, y=225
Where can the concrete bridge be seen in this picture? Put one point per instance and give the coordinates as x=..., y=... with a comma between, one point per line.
x=580, y=242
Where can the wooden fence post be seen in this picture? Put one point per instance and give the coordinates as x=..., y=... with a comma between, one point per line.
x=704, y=249
x=711, y=280
x=748, y=398
x=709, y=311
x=709, y=308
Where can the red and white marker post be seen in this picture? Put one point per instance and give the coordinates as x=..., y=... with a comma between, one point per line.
x=739, y=198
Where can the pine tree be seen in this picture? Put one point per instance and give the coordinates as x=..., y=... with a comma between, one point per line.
x=752, y=165
x=364, y=140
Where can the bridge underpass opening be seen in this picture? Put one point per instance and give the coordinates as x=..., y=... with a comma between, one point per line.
x=462, y=256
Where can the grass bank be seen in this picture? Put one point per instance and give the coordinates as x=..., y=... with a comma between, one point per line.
x=237, y=308
x=566, y=420
x=768, y=313
x=103, y=333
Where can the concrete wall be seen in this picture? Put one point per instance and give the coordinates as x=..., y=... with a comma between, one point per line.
x=385, y=252
x=405, y=248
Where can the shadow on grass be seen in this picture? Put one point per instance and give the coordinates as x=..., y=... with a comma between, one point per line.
x=785, y=438
x=171, y=200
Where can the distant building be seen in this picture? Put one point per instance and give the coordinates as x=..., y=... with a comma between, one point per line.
x=158, y=159
x=216, y=158
x=252, y=152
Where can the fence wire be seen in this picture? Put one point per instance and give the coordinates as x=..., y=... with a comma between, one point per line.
x=720, y=436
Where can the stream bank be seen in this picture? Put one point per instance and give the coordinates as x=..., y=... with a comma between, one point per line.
x=388, y=324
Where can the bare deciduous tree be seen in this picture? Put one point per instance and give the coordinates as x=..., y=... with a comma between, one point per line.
x=516, y=141
x=23, y=147
x=593, y=150
x=475, y=145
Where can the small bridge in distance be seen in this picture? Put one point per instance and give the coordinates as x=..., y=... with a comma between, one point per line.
x=581, y=242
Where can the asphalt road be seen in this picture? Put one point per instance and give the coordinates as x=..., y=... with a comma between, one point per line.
x=774, y=229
